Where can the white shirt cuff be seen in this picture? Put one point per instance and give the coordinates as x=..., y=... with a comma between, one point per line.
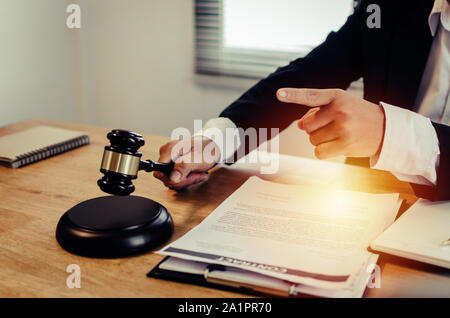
x=225, y=134
x=410, y=147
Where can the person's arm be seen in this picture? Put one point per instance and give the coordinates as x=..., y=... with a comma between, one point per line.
x=336, y=63
x=397, y=140
x=416, y=150
x=410, y=147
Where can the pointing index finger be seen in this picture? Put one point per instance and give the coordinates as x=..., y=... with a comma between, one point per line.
x=306, y=96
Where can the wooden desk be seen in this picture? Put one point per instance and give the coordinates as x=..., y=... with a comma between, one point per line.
x=33, y=198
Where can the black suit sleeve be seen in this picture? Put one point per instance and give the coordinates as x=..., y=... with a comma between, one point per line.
x=333, y=64
x=442, y=191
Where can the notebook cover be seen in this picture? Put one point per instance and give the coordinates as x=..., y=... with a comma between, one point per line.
x=38, y=143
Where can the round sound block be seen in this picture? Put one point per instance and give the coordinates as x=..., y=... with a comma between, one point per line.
x=114, y=226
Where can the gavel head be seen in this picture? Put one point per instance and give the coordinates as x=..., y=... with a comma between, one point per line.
x=120, y=163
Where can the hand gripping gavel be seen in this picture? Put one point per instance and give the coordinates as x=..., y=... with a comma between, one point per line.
x=122, y=161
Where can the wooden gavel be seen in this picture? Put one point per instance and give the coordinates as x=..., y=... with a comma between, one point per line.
x=122, y=161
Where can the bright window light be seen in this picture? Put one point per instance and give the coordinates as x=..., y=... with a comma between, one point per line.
x=281, y=25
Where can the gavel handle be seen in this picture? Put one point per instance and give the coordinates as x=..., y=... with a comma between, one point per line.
x=149, y=166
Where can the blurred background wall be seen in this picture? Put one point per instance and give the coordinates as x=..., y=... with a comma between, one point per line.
x=130, y=65
x=138, y=66
x=38, y=77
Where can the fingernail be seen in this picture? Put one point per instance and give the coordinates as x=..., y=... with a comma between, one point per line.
x=282, y=94
x=175, y=176
x=300, y=124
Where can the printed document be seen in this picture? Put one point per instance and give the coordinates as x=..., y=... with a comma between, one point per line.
x=296, y=233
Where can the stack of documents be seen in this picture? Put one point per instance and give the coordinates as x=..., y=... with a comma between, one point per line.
x=286, y=239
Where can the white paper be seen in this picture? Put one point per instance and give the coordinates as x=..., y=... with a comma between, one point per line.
x=297, y=233
x=418, y=234
x=292, y=169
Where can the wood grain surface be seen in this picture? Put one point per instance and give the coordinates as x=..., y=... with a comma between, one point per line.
x=33, y=198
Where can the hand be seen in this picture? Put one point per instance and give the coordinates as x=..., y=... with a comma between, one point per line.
x=192, y=157
x=339, y=123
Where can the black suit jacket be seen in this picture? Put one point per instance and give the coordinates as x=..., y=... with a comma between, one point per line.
x=391, y=61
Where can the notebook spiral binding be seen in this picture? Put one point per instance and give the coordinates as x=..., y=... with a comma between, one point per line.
x=50, y=151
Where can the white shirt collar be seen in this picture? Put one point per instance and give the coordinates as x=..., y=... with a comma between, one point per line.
x=439, y=13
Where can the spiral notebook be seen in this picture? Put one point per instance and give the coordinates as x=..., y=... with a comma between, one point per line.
x=38, y=143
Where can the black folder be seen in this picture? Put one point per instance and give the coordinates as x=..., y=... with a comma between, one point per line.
x=201, y=280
